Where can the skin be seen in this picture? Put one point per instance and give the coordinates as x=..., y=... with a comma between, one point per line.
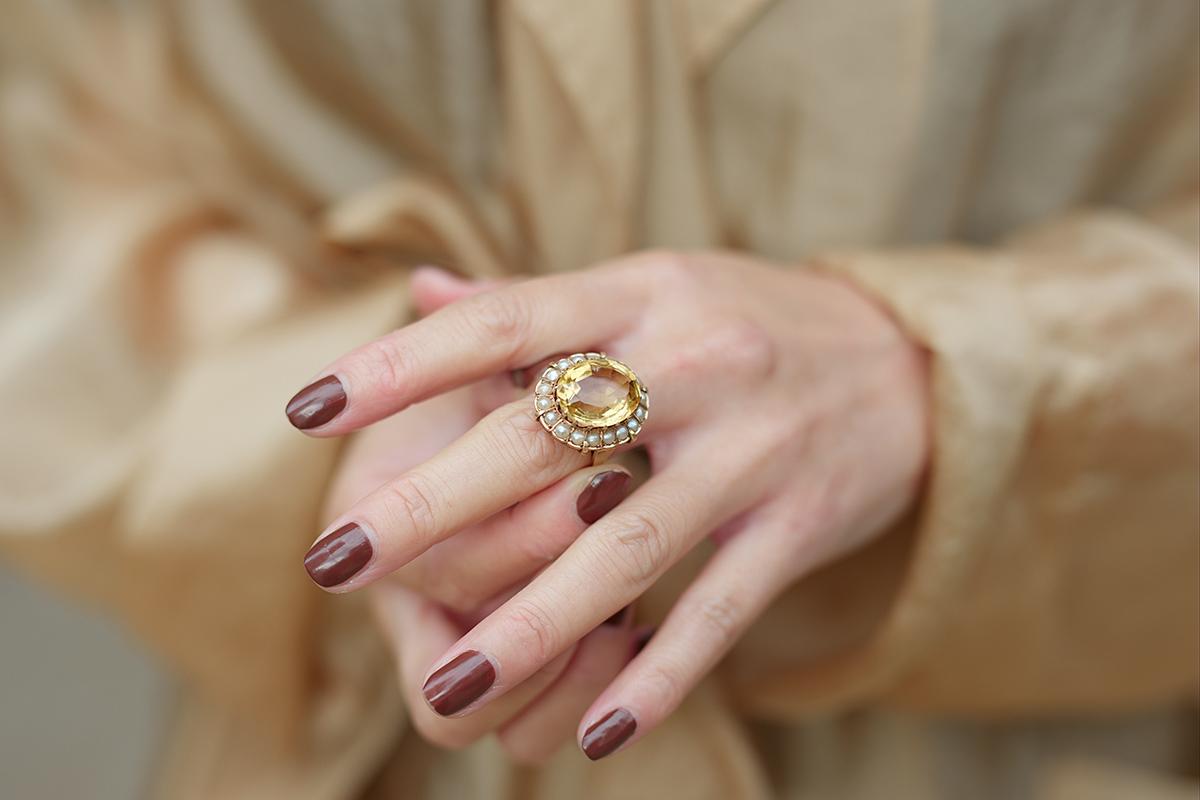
x=432, y=601
x=811, y=395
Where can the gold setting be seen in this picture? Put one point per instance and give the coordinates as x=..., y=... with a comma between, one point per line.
x=591, y=402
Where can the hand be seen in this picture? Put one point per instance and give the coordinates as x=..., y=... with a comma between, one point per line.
x=789, y=422
x=430, y=602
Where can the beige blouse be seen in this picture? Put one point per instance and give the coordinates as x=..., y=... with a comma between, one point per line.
x=202, y=201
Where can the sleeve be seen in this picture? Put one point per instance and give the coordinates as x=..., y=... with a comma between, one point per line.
x=1052, y=563
x=170, y=275
x=150, y=335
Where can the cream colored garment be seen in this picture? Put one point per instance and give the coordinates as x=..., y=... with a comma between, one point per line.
x=205, y=200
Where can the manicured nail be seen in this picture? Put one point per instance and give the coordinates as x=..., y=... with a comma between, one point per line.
x=317, y=403
x=608, y=734
x=459, y=683
x=443, y=272
x=338, y=557
x=602, y=494
x=618, y=619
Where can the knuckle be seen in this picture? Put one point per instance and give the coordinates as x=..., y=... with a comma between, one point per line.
x=412, y=504
x=521, y=436
x=641, y=547
x=534, y=628
x=542, y=544
x=811, y=512
x=823, y=511
x=503, y=318
x=387, y=360
x=670, y=267
x=663, y=682
x=749, y=345
x=688, y=358
x=720, y=617
x=740, y=346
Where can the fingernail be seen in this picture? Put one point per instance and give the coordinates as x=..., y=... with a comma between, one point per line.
x=602, y=494
x=317, y=403
x=608, y=734
x=619, y=618
x=459, y=683
x=338, y=557
x=443, y=271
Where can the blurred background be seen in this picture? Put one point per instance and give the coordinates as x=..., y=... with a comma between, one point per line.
x=83, y=706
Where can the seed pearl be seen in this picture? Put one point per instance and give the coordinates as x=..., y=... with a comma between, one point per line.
x=622, y=433
x=640, y=414
x=543, y=388
x=577, y=437
x=561, y=430
x=563, y=363
x=633, y=425
x=551, y=375
x=593, y=439
x=551, y=417
x=609, y=437
x=543, y=403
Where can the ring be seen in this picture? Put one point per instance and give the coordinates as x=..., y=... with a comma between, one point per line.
x=591, y=402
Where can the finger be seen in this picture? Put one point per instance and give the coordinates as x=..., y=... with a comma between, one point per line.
x=734, y=588
x=505, y=458
x=417, y=630
x=549, y=722
x=493, y=392
x=608, y=567
x=432, y=288
x=492, y=332
x=514, y=544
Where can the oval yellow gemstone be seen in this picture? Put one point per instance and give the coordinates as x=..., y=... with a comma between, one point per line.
x=598, y=392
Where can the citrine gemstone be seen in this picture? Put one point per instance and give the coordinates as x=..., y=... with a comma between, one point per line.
x=598, y=392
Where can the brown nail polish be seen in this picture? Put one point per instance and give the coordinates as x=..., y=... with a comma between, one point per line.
x=459, y=683
x=608, y=734
x=338, y=557
x=601, y=495
x=317, y=403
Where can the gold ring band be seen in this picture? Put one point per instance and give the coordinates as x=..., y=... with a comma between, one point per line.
x=591, y=402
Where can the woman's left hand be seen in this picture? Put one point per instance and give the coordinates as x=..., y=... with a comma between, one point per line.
x=789, y=423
